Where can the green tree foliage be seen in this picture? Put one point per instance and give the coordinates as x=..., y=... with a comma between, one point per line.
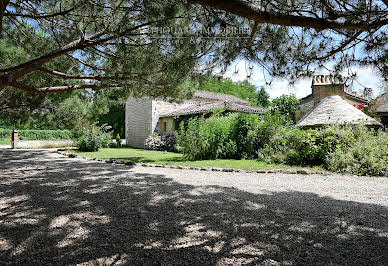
x=351, y=148
x=285, y=105
x=18, y=107
x=262, y=98
x=115, y=45
x=243, y=90
x=234, y=136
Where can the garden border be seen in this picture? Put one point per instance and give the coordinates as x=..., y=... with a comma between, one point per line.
x=302, y=171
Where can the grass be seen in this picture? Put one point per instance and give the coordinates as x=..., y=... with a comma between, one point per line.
x=5, y=142
x=158, y=157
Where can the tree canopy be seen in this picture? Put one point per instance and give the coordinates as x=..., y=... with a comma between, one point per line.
x=243, y=90
x=131, y=44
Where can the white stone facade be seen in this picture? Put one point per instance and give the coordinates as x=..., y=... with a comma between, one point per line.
x=142, y=119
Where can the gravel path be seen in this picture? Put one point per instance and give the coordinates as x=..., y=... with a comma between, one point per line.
x=60, y=210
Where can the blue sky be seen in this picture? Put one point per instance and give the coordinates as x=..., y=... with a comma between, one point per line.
x=366, y=76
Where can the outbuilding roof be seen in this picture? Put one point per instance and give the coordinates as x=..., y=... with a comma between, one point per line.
x=208, y=107
x=213, y=96
x=332, y=110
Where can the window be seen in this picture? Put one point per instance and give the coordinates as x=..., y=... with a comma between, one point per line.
x=164, y=126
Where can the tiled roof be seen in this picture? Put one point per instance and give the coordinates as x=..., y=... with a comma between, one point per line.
x=382, y=108
x=332, y=110
x=212, y=96
x=208, y=107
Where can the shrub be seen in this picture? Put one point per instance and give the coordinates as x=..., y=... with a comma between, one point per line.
x=351, y=148
x=166, y=142
x=37, y=134
x=169, y=142
x=93, y=138
x=367, y=155
x=153, y=142
x=234, y=136
x=208, y=138
x=118, y=140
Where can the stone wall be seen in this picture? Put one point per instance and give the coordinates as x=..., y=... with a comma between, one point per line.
x=138, y=121
x=322, y=91
x=303, y=108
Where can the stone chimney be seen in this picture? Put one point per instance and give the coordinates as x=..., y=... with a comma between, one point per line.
x=327, y=85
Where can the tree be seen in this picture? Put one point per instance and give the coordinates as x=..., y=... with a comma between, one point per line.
x=285, y=105
x=243, y=90
x=111, y=43
x=262, y=98
x=313, y=32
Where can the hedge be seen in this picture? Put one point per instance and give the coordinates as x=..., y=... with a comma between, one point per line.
x=37, y=134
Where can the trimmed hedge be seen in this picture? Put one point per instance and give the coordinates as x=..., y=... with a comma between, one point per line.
x=37, y=134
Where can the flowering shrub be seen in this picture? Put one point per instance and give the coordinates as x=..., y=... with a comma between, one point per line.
x=365, y=109
x=166, y=142
x=169, y=141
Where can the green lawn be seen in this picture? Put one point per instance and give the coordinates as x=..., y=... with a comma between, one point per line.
x=158, y=157
x=5, y=142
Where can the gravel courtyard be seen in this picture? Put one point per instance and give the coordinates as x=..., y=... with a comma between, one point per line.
x=60, y=210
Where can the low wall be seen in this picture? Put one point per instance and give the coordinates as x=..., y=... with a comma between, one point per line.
x=35, y=144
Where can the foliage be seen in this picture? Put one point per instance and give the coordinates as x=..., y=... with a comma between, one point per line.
x=207, y=138
x=350, y=149
x=126, y=53
x=153, y=142
x=367, y=109
x=234, y=136
x=262, y=98
x=166, y=142
x=93, y=138
x=271, y=139
x=111, y=107
x=367, y=155
x=243, y=90
x=37, y=134
x=118, y=140
x=285, y=105
x=18, y=107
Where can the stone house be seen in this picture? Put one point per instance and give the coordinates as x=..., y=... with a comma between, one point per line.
x=329, y=104
x=382, y=109
x=145, y=116
x=328, y=85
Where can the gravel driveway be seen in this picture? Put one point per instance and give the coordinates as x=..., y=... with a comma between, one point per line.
x=60, y=210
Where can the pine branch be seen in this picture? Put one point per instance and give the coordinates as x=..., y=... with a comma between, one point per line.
x=66, y=76
x=40, y=16
x=244, y=9
x=62, y=88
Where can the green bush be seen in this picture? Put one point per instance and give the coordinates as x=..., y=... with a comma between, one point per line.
x=234, y=136
x=348, y=149
x=93, y=138
x=207, y=138
x=367, y=155
x=37, y=134
x=118, y=140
